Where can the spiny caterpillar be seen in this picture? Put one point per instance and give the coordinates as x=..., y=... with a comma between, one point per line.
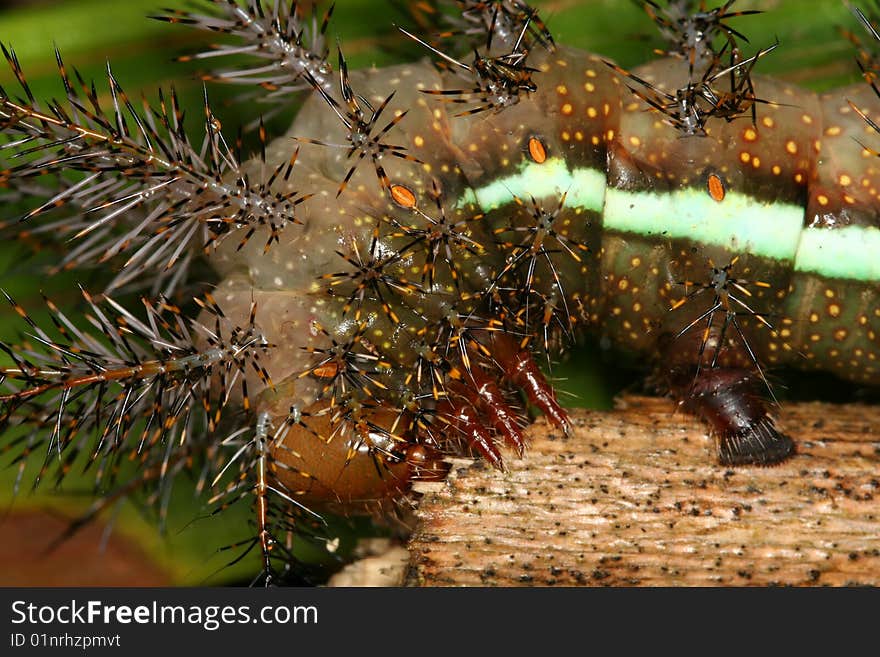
x=388, y=275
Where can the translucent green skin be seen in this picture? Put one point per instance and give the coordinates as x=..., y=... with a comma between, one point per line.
x=628, y=275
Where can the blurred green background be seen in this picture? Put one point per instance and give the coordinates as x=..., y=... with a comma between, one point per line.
x=90, y=32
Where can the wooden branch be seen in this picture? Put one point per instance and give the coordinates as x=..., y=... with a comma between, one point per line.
x=635, y=497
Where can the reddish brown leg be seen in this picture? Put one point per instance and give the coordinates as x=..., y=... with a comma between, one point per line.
x=490, y=399
x=426, y=463
x=519, y=366
x=462, y=415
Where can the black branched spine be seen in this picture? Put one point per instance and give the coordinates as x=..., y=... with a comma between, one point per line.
x=131, y=182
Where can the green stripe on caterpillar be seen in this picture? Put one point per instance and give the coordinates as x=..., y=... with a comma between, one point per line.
x=391, y=269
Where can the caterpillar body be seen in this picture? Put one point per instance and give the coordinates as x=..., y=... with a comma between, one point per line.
x=391, y=272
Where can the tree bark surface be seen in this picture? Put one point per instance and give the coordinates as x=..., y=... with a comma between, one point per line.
x=635, y=496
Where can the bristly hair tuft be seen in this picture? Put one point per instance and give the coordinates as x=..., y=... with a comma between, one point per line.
x=131, y=182
x=289, y=47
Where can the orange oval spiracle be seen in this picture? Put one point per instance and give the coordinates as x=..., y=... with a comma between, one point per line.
x=537, y=150
x=326, y=371
x=716, y=187
x=403, y=196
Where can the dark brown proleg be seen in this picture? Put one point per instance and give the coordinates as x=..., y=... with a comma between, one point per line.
x=728, y=394
x=728, y=400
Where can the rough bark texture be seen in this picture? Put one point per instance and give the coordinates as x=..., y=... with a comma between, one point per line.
x=635, y=497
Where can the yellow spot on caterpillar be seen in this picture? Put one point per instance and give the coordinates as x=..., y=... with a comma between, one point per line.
x=592, y=113
x=590, y=73
x=745, y=157
x=791, y=147
x=799, y=177
x=832, y=131
x=844, y=180
x=750, y=134
x=562, y=90
x=807, y=119
x=567, y=109
x=419, y=141
x=756, y=161
x=635, y=141
x=822, y=199
x=767, y=121
x=834, y=310
x=776, y=169
x=590, y=87
x=840, y=334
